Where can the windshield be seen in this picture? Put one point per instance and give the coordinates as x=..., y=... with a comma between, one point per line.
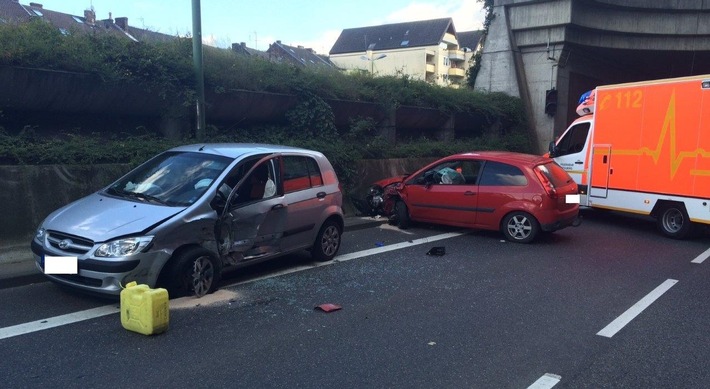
x=172, y=178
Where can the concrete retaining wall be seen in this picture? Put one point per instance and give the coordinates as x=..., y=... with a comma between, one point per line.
x=30, y=193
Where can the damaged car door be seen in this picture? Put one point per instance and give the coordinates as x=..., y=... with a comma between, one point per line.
x=252, y=222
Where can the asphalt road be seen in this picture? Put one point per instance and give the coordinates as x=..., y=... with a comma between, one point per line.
x=487, y=314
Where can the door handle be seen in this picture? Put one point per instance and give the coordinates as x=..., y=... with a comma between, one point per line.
x=321, y=195
x=579, y=162
x=469, y=193
x=278, y=206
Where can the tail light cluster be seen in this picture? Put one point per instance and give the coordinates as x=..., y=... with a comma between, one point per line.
x=546, y=183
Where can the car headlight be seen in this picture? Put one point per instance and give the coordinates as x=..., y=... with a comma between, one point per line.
x=40, y=233
x=375, y=190
x=123, y=247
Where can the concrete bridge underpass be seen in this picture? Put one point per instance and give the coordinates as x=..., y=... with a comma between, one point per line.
x=575, y=45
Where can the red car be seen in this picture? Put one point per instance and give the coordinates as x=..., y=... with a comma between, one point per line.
x=517, y=194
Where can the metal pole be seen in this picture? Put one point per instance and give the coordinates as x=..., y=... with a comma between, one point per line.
x=199, y=70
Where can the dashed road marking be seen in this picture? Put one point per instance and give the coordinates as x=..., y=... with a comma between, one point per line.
x=635, y=310
x=545, y=382
x=702, y=257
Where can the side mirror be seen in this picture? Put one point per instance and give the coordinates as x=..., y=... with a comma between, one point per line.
x=553, y=149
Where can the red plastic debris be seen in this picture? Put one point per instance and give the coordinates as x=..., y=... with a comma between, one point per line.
x=329, y=307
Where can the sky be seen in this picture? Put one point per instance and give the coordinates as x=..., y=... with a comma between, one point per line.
x=310, y=23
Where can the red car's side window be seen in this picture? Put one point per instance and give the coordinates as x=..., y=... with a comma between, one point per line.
x=502, y=174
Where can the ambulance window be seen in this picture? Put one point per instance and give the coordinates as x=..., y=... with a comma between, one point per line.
x=573, y=141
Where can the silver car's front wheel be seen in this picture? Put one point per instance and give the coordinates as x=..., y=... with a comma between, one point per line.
x=194, y=272
x=202, y=276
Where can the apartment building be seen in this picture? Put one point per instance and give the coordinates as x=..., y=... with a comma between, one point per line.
x=426, y=50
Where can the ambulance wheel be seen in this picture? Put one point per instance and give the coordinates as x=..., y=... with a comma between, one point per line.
x=402, y=214
x=195, y=272
x=520, y=227
x=673, y=222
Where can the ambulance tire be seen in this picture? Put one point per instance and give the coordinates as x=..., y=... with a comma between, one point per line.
x=194, y=272
x=673, y=221
x=402, y=214
x=520, y=227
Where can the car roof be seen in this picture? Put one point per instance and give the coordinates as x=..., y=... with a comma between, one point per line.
x=235, y=150
x=505, y=156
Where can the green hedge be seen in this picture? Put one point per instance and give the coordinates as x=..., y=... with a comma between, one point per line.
x=343, y=149
x=166, y=68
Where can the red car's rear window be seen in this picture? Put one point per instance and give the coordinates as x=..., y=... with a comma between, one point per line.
x=554, y=172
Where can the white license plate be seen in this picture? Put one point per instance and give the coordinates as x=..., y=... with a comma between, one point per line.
x=60, y=265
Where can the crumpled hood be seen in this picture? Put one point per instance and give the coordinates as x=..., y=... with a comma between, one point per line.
x=102, y=218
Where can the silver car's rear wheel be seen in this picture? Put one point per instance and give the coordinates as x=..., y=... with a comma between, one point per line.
x=327, y=242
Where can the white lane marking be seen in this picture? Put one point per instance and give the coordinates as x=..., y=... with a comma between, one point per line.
x=700, y=258
x=43, y=324
x=626, y=317
x=545, y=382
x=355, y=255
x=390, y=227
x=396, y=246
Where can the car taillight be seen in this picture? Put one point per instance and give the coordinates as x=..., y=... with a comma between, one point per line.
x=546, y=183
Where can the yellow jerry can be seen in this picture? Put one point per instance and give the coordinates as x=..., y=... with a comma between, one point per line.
x=144, y=310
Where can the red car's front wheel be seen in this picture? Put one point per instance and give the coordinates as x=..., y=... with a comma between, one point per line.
x=402, y=214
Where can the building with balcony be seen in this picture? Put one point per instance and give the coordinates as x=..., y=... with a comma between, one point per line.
x=425, y=50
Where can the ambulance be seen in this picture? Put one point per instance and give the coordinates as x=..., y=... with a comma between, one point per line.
x=643, y=148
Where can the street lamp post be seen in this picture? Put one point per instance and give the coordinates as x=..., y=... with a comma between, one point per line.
x=199, y=71
x=369, y=57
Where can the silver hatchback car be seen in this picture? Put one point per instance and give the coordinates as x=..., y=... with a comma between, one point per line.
x=181, y=218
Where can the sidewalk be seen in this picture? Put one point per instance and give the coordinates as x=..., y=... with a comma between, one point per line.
x=17, y=266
